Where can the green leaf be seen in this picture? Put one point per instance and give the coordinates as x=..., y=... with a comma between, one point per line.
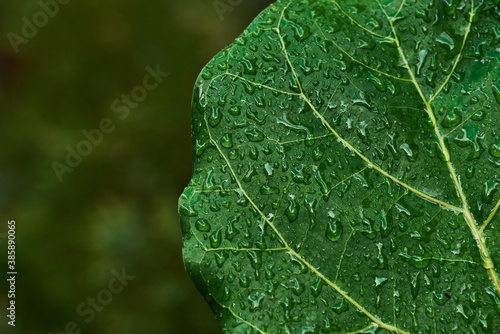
x=346, y=170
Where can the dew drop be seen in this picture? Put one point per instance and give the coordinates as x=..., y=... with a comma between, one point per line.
x=418, y=261
x=292, y=212
x=496, y=93
x=216, y=238
x=227, y=140
x=220, y=258
x=318, y=153
x=316, y=287
x=452, y=119
x=495, y=149
x=446, y=40
x=469, y=172
x=334, y=229
x=202, y=225
x=255, y=259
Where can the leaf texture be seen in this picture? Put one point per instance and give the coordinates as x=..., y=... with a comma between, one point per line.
x=346, y=170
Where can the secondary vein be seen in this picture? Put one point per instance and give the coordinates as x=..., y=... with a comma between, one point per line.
x=359, y=24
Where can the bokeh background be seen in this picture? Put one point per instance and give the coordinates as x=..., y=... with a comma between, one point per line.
x=118, y=208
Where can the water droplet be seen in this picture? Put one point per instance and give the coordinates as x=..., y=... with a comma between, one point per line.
x=496, y=93
x=311, y=203
x=377, y=83
x=469, y=172
x=382, y=153
x=340, y=307
x=202, y=225
x=266, y=189
x=471, y=136
x=334, y=228
x=415, y=284
x=200, y=146
x=392, y=147
x=227, y=140
x=318, y=153
x=429, y=311
x=207, y=75
x=446, y=40
x=244, y=281
x=209, y=184
x=489, y=189
x=255, y=298
x=422, y=55
x=297, y=287
x=319, y=178
x=292, y=212
x=495, y=148
x=220, y=258
x=418, y=261
x=452, y=119
x=369, y=228
x=215, y=116
x=256, y=262
x=381, y=262
x=186, y=209
x=441, y=298
x=216, y=238
x=254, y=153
x=254, y=135
x=231, y=231
x=316, y=287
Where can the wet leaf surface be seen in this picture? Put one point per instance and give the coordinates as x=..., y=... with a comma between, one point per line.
x=346, y=170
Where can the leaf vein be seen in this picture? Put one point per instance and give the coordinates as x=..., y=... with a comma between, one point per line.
x=490, y=218
x=358, y=61
x=294, y=253
x=359, y=24
x=457, y=60
x=318, y=114
x=261, y=85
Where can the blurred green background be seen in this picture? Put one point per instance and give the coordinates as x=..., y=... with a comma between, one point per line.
x=118, y=208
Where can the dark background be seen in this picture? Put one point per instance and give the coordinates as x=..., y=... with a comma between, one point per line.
x=118, y=207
